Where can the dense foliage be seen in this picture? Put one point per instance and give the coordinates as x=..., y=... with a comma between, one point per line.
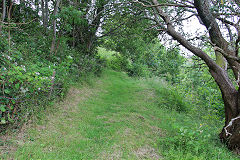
x=32, y=75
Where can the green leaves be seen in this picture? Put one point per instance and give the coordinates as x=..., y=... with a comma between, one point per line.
x=3, y=108
x=17, y=86
x=7, y=91
x=70, y=16
x=3, y=121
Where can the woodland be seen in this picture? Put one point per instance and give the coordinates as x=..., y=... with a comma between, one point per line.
x=46, y=46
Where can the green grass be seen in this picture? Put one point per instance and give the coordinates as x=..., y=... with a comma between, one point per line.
x=117, y=117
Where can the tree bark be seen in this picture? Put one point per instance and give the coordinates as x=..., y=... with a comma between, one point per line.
x=230, y=133
x=216, y=37
x=46, y=13
x=43, y=13
x=3, y=14
x=9, y=28
x=231, y=97
x=54, y=26
x=96, y=21
x=44, y=6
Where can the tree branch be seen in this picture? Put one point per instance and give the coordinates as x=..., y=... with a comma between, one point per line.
x=164, y=4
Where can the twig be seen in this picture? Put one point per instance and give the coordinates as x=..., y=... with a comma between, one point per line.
x=52, y=82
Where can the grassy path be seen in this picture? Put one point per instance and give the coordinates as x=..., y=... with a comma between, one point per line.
x=106, y=121
x=117, y=117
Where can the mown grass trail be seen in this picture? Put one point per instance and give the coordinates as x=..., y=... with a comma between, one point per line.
x=108, y=120
x=115, y=117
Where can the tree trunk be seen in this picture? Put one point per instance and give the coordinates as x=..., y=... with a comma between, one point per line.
x=96, y=21
x=43, y=13
x=231, y=97
x=73, y=36
x=44, y=6
x=54, y=26
x=9, y=27
x=3, y=14
x=231, y=131
x=46, y=13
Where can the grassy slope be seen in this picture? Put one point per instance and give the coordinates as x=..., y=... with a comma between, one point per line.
x=114, y=118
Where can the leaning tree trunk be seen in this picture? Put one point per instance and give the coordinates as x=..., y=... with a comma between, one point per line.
x=231, y=132
x=231, y=96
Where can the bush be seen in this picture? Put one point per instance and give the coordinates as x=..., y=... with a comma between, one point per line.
x=27, y=84
x=22, y=81
x=138, y=70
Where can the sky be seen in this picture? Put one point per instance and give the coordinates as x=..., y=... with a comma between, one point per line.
x=193, y=28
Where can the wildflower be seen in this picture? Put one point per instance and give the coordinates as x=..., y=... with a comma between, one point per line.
x=23, y=67
x=24, y=90
x=70, y=57
x=8, y=57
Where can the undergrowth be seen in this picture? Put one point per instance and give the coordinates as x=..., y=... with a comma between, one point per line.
x=192, y=130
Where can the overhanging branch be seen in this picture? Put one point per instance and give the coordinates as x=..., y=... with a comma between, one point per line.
x=164, y=4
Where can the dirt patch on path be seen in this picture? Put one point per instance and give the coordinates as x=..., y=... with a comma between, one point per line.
x=147, y=152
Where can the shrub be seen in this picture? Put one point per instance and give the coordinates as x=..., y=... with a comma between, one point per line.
x=19, y=83
x=138, y=70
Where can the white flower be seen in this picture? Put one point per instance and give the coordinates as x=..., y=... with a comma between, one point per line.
x=37, y=73
x=70, y=57
x=23, y=90
x=23, y=67
x=8, y=57
x=39, y=88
